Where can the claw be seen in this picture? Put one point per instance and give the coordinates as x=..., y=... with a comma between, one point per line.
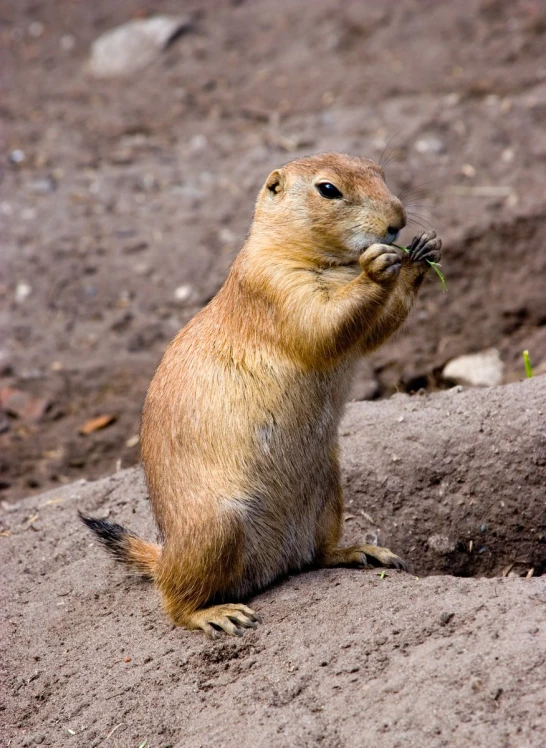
x=425, y=247
x=230, y=619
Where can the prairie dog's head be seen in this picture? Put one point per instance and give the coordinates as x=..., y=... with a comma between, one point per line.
x=333, y=204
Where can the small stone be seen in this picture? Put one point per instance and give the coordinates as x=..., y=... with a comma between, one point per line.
x=227, y=236
x=198, y=143
x=36, y=29
x=430, y=144
x=452, y=99
x=468, y=170
x=143, y=268
x=183, y=293
x=132, y=441
x=484, y=369
x=17, y=156
x=441, y=544
x=43, y=185
x=22, y=292
x=67, y=42
x=445, y=618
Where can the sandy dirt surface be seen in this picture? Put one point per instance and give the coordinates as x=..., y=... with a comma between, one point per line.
x=122, y=204
x=343, y=657
x=135, y=194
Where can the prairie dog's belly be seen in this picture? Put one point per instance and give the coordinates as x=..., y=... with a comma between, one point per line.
x=292, y=473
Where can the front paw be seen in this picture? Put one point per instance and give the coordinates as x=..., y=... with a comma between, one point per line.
x=425, y=247
x=381, y=263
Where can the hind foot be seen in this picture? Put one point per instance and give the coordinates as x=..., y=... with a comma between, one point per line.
x=362, y=555
x=231, y=619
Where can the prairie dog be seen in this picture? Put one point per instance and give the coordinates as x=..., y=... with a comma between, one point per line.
x=239, y=427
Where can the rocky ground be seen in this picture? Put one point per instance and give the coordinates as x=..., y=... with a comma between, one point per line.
x=123, y=201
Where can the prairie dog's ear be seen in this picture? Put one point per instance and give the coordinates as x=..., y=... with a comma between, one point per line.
x=275, y=182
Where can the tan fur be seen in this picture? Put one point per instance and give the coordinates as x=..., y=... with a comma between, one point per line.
x=239, y=428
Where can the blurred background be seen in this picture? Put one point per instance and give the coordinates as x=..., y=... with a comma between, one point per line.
x=130, y=165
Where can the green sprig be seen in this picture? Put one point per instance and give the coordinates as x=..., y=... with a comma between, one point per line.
x=528, y=367
x=434, y=265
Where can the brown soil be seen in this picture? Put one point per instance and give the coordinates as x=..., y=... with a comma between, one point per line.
x=133, y=188
x=344, y=657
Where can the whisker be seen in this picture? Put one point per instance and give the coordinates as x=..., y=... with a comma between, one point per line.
x=414, y=193
x=412, y=212
x=421, y=222
x=419, y=189
x=381, y=164
x=410, y=206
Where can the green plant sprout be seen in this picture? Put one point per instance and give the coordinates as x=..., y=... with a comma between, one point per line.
x=434, y=265
x=527, y=362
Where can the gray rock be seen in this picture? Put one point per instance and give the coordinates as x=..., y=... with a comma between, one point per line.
x=134, y=45
x=484, y=369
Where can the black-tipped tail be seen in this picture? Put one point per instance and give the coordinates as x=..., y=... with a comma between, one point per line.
x=112, y=536
x=124, y=545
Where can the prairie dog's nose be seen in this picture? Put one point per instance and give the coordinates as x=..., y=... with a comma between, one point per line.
x=395, y=229
x=395, y=226
x=397, y=221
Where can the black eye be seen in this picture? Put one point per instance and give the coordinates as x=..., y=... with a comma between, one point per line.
x=328, y=190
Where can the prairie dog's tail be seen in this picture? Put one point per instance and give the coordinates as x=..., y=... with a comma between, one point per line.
x=125, y=546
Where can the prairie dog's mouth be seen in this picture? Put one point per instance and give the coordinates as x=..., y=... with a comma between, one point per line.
x=363, y=242
x=391, y=237
x=358, y=244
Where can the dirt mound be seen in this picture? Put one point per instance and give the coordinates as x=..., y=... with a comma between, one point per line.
x=343, y=657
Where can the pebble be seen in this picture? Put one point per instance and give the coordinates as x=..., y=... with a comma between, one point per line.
x=22, y=292
x=17, y=156
x=198, y=143
x=183, y=293
x=67, y=42
x=43, y=185
x=36, y=29
x=430, y=144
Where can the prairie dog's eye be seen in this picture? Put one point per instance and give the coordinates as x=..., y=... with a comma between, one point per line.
x=329, y=190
